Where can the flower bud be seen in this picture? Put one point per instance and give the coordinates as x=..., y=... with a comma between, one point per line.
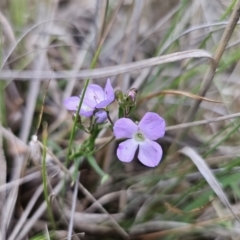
x=132, y=96
x=119, y=96
x=35, y=150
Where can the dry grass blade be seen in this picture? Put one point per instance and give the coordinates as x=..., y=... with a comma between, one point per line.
x=38, y=64
x=175, y=229
x=155, y=226
x=208, y=175
x=12, y=196
x=7, y=31
x=217, y=56
x=107, y=71
x=176, y=92
x=201, y=122
x=37, y=214
x=3, y=174
x=120, y=230
x=19, y=181
x=179, y=211
x=130, y=42
x=25, y=214
x=208, y=78
x=70, y=229
x=168, y=55
x=19, y=160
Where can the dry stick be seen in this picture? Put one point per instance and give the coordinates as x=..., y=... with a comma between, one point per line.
x=88, y=195
x=35, y=86
x=115, y=223
x=100, y=20
x=189, y=227
x=109, y=26
x=37, y=214
x=12, y=196
x=78, y=64
x=175, y=92
x=25, y=214
x=106, y=71
x=19, y=181
x=73, y=208
x=201, y=122
x=79, y=60
x=130, y=42
x=3, y=172
x=207, y=80
x=7, y=31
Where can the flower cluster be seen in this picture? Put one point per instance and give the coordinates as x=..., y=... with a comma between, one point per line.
x=139, y=136
x=94, y=103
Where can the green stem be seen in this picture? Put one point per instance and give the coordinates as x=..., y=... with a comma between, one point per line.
x=93, y=64
x=75, y=122
x=120, y=112
x=109, y=118
x=44, y=177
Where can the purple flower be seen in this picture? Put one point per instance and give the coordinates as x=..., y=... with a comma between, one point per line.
x=95, y=98
x=150, y=128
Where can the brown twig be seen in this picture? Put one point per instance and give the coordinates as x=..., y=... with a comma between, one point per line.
x=176, y=92
x=207, y=80
x=105, y=71
x=119, y=229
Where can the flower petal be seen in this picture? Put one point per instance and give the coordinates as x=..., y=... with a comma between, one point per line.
x=89, y=103
x=101, y=116
x=150, y=153
x=124, y=128
x=152, y=126
x=126, y=150
x=109, y=95
x=86, y=113
x=72, y=103
x=94, y=95
x=109, y=91
x=104, y=103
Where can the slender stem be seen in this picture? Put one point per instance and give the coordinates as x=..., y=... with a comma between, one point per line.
x=120, y=112
x=44, y=176
x=75, y=122
x=109, y=118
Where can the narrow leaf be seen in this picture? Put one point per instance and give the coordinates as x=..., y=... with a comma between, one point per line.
x=208, y=175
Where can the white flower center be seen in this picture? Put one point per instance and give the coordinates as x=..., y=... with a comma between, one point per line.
x=139, y=137
x=86, y=107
